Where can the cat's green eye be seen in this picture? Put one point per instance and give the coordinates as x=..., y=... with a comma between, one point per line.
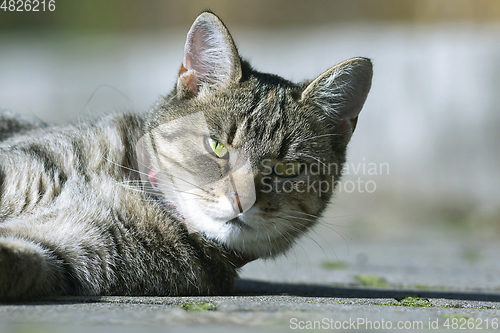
x=216, y=148
x=287, y=169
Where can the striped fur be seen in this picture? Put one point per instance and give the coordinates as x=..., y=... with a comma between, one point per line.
x=76, y=217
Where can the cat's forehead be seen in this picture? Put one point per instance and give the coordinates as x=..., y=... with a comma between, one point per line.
x=266, y=120
x=262, y=116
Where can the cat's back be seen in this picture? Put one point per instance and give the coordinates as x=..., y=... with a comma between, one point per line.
x=42, y=162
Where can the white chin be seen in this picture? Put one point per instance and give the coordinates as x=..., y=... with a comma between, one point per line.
x=248, y=240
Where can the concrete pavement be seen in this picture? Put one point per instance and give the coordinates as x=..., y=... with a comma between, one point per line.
x=455, y=281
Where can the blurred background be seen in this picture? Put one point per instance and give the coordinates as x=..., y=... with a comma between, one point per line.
x=428, y=136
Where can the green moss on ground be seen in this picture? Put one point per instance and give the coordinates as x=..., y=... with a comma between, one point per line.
x=330, y=264
x=409, y=301
x=371, y=281
x=198, y=306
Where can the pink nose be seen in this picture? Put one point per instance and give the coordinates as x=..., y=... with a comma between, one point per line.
x=240, y=204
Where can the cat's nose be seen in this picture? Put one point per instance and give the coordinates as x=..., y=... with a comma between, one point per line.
x=240, y=204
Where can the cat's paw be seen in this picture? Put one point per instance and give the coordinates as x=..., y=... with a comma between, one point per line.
x=26, y=271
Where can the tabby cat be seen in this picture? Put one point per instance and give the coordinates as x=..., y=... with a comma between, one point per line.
x=222, y=171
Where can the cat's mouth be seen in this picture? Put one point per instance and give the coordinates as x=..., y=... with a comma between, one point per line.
x=237, y=258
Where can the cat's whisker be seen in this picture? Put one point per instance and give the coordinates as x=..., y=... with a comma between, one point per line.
x=314, y=158
x=342, y=234
x=158, y=192
x=159, y=177
x=321, y=220
x=139, y=162
x=311, y=238
x=314, y=231
x=305, y=253
x=162, y=177
x=289, y=239
x=122, y=166
x=315, y=137
x=300, y=212
x=303, y=218
x=133, y=188
x=195, y=195
x=134, y=181
x=331, y=227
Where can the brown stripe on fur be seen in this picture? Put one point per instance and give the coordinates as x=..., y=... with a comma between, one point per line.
x=128, y=126
x=42, y=155
x=81, y=160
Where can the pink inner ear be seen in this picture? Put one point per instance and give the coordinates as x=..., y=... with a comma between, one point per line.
x=188, y=79
x=210, y=57
x=197, y=67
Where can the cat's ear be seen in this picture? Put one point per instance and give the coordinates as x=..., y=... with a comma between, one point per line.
x=211, y=60
x=341, y=91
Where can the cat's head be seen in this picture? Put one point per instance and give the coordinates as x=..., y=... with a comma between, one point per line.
x=249, y=159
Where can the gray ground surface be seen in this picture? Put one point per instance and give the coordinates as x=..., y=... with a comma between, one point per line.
x=457, y=279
